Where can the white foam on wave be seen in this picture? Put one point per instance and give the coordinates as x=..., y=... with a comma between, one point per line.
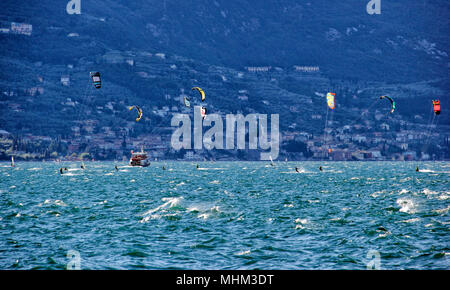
x=413, y=220
x=56, y=202
x=215, y=208
x=426, y=191
x=101, y=202
x=406, y=205
x=169, y=202
x=203, y=216
x=301, y=221
x=440, y=195
x=403, y=191
x=384, y=234
x=443, y=210
x=34, y=169
x=376, y=194
x=69, y=174
x=444, y=196
x=193, y=209
x=162, y=209
x=204, y=211
x=242, y=253
x=149, y=217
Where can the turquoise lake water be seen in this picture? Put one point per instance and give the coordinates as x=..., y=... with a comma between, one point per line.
x=225, y=215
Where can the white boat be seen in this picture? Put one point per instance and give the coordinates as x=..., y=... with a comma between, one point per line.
x=139, y=159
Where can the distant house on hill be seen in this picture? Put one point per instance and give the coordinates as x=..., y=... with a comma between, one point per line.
x=65, y=80
x=258, y=68
x=160, y=55
x=34, y=90
x=21, y=28
x=4, y=133
x=243, y=98
x=113, y=56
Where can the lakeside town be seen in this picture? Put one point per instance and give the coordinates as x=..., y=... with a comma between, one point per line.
x=365, y=141
x=96, y=125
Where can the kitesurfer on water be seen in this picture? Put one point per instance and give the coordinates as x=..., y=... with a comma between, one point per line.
x=417, y=168
x=296, y=169
x=320, y=168
x=115, y=166
x=61, y=171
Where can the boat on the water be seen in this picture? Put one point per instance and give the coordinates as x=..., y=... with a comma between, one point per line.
x=139, y=159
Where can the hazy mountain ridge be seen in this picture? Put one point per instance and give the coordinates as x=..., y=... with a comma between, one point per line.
x=173, y=46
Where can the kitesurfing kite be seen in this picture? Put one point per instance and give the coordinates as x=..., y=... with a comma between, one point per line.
x=139, y=112
x=203, y=112
x=187, y=102
x=96, y=79
x=390, y=100
x=330, y=100
x=436, y=107
x=202, y=93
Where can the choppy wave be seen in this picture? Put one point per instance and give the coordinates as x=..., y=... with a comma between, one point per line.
x=406, y=205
